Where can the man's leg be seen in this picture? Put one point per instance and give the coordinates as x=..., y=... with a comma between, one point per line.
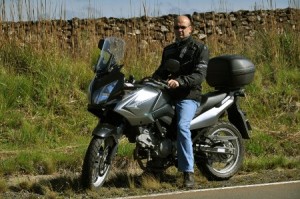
x=185, y=112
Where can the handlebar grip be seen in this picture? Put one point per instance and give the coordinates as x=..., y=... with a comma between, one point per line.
x=162, y=84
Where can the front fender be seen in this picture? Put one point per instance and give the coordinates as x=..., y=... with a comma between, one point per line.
x=104, y=130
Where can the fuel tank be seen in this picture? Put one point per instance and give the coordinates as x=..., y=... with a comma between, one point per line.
x=144, y=106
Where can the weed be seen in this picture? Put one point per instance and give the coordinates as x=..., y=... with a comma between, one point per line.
x=150, y=182
x=270, y=162
x=3, y=186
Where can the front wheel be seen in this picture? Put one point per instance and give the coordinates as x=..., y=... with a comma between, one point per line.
x=221, y=151
x=96, y=165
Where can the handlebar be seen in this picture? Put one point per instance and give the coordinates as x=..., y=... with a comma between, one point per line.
x=161, y=84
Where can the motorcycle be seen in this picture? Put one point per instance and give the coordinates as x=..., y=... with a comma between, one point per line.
x=143, y=113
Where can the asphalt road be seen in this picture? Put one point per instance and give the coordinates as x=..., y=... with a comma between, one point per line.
x=282, y=190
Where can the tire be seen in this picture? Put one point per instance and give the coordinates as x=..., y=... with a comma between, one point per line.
x=216, y=166
x=96, y=167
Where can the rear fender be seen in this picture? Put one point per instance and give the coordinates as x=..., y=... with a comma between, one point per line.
x=238, y=118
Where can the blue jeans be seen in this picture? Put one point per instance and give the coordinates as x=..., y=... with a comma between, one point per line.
x=185, y=110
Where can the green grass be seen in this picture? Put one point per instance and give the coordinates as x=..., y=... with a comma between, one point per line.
x=264, y=162
x=43, y=161
x=45, y=126
x=3, y=186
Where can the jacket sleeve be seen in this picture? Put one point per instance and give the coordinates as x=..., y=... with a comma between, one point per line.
x=198, y=74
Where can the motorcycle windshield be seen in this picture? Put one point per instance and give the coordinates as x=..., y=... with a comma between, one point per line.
x=112, y=54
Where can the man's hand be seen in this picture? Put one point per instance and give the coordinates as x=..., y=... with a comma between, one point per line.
x=173, y=83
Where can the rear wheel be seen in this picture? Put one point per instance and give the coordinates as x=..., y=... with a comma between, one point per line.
x=223, y=152
x=96, y=165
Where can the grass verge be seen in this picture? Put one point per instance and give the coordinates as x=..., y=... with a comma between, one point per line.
x=45, y=127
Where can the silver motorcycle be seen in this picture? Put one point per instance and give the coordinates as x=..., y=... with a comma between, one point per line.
x=143, y=112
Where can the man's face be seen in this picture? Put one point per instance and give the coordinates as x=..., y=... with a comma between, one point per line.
x=182, y=27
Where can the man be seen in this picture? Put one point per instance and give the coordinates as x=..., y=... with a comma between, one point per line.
x=185, y=88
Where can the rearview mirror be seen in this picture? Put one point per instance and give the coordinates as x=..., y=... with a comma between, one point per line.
x=100, y=44
x=172, y=65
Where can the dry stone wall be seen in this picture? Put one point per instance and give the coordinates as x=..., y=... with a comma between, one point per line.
x=72, y=33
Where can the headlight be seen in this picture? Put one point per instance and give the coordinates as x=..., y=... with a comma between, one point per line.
x=102, y=94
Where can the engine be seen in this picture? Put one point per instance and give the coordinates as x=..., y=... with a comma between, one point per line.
x=159, y=146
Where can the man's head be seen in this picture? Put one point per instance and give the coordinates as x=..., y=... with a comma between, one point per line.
x=182, y=27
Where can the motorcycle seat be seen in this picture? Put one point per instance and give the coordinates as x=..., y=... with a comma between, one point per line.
x=210, y=100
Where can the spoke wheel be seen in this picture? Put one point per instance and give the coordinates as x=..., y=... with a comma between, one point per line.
x=96, y=166
x=222, y=166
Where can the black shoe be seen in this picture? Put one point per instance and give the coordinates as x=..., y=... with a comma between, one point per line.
x=188, y=179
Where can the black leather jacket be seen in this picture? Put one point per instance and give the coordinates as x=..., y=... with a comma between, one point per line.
x=193, y=57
